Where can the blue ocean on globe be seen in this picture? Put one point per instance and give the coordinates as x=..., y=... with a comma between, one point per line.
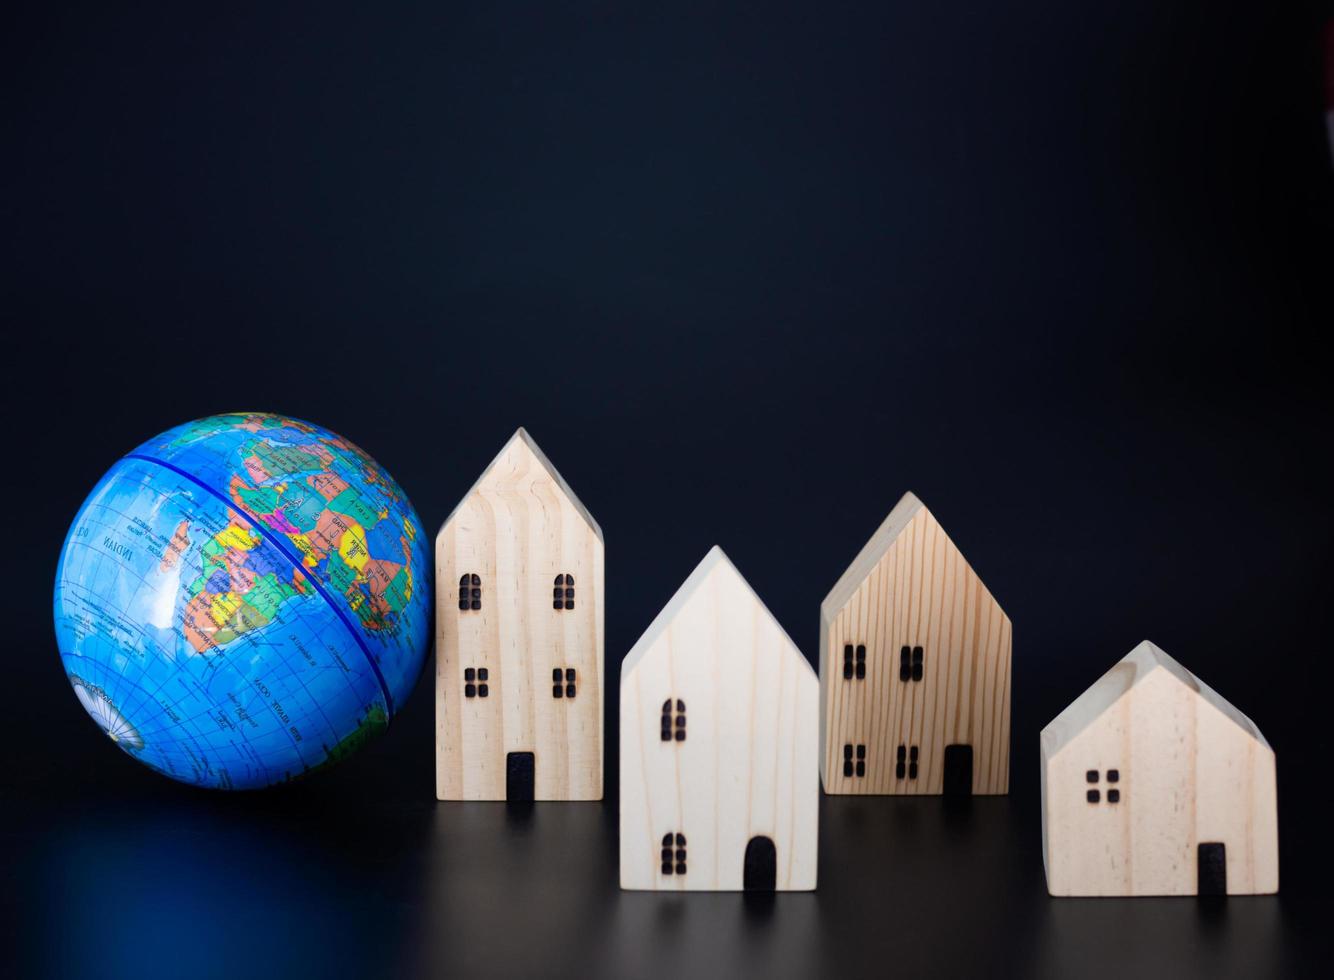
x=242, y=600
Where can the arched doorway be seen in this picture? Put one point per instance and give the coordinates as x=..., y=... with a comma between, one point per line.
x=761, y=871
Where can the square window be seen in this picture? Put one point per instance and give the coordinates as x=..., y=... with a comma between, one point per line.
x=483, y=674
x=1113, y=775
x=557, y=691
x=1093, y=796
x=1091, y=776
x=1113, y=796
x=482, y=690
x=469, y=674
x=470, y=690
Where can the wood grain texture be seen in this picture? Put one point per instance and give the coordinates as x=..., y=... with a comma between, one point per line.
x=910, y=586
x=747, y=767
x=517, y=529
x=1190, y=769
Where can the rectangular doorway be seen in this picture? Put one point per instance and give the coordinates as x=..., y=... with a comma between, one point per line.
x=1211, y=861
x=958, y=770
x=519, y=777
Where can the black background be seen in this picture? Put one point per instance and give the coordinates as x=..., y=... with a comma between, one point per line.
x=747, y=275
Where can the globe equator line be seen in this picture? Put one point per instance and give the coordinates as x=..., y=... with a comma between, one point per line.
x=273, y=540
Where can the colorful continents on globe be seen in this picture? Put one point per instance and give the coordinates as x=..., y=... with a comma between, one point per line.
x=243, y=599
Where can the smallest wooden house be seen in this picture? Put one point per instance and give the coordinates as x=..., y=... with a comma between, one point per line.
x=519, y=627
x=1153, y=784
x=719, y=745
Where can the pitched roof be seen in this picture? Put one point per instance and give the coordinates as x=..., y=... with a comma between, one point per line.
x=1128, y=672
x=714, y=559
x=523, y=438
x=885, y=535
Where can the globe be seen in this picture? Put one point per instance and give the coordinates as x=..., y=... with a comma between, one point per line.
x=243, y=600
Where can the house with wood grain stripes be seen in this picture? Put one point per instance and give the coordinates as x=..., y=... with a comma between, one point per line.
x=519, y=637
x=718, y=747
x=914, y=668
x=1154, y=784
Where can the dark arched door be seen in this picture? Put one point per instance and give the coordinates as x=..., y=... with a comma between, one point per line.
x=761, y=873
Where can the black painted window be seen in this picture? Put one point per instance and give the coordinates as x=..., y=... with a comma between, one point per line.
x=562, y=592
x=905, y=762
x=674, y=854
x=854, y=761
x=854, y=661
x=470, y=592
x=910, y=663
x=562, y=682
x=1113, y=792
x=475, y=682
x=673, y=720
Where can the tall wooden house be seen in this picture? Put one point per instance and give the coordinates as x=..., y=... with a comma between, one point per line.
x=519, y=637
x=914, y=668
x=718, y=745
x=1153, y=784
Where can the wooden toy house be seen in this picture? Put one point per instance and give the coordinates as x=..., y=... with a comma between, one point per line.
x=1153, y=784
x=718, y=745
x=519, y=637
x=914, y=668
